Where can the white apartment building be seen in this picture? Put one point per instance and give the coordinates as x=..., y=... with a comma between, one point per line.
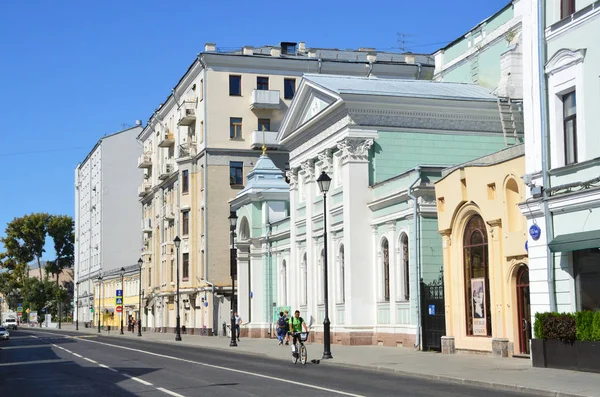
x=199, y=146
x=107, y=214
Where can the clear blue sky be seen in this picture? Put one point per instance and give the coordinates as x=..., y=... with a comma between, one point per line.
x=72, y=71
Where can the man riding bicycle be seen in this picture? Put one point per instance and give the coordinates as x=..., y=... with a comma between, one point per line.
x=296, y=324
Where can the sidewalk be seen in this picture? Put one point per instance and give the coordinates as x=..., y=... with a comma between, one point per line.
x=507, y=374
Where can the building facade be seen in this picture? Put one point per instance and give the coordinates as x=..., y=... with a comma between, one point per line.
x=198, y=148
x=107, y=215
x=486, y=277
x=106, y=289
x=563, y=153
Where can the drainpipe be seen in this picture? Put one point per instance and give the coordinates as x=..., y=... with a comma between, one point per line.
x=420, y=66
x=269, y=298
x=416, y=241
x=545, y=154
x=320, y=65
x=370, y=69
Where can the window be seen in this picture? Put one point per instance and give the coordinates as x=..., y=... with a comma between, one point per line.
x=201, y=93
x=236, y=172
x=262, y=83
x=172, y=267
x=185, y=184
x=587, y=279
x=570, y=127
x=304, y=280
x=404, y=271
x=567, y=7
x=264, y=124
x=477, y=288
x=385, y=252
x=321, y=281
x=289, y=88
x=283, y=282
x=185, y=223
x=149, y=277
x=235, y=127
x=342, y=276
x=235, y=85
x=288, y=48
x=186, y=267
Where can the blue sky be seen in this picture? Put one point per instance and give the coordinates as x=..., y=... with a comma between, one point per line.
x=72, y=71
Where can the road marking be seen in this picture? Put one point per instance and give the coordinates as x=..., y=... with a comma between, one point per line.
x=107, y=367
x=343, y=393
x=90, y=360
x=169, y=392
x=143, y=382
x=77, y=355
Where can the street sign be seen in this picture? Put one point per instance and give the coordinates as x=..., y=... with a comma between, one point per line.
x=119, y=292
x=119, y=300
x=119, y=309
x=20, y=309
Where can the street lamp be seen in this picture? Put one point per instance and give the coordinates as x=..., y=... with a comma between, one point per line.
x=140, y=263
x=122, y=298
x=233, y=270
x=99, y=302
x=177, y=242
x=324, y=182
x=77, y=308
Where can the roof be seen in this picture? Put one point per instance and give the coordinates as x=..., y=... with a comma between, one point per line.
x=109, y=136
x=501, y=156
x=401, y=88
x=265, y=180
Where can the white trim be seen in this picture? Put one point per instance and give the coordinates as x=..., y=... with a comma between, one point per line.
x=571, y=25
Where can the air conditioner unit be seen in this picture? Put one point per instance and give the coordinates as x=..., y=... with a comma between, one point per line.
x=190, y=112
x=169, y=168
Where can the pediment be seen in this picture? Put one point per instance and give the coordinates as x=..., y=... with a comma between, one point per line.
x=563, y=59
x=311, y=103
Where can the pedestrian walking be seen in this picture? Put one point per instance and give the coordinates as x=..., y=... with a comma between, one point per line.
x=238, y=323
x=282, y=327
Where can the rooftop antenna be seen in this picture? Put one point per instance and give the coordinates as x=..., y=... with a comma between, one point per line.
x=401, y=40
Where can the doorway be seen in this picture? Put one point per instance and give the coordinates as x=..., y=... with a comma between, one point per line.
x=524, y=309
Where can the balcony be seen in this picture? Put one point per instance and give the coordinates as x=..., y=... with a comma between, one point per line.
x=147, y=225
x=145, y=160
x=167, y=248
x=144, y=188
x=166, y=170
x=187, y=113
x=167, y=211
x=166, y=139
x=187, y=149
x=264, y=99
x=268, y=137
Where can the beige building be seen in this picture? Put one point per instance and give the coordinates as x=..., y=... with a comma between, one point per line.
x=198, y=147
x=486, y=276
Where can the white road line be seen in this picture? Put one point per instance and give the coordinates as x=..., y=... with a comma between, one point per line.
x=143, y=382
x=90, y=360
x=107, y=367
x=343, y=393
x=77, y=355
x=169, y=392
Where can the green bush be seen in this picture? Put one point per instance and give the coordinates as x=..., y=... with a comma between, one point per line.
x=538, y=328
x=560, y=326
x=584, y=325
x=596, y=327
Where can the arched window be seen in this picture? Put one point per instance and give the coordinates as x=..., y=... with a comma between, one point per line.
x=342, y=276
x=283, y=283
x=304, y=280
x=244, y=229
x=321, y=280
x=403, y=269
x=477, y=288
x=385, y=253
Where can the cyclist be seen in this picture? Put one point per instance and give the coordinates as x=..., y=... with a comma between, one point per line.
x=296, y=324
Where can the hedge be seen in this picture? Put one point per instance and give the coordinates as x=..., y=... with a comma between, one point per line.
x=584, y=326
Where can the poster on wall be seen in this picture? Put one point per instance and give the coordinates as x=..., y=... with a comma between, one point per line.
x=478, y=306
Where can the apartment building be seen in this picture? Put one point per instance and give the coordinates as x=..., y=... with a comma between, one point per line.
x=198, y=148
x=107, y=216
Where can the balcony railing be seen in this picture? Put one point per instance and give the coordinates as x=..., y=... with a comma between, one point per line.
x=187, y=113
x=167, y=211
x=166, y=139
x=147, y=225
x=144, y=188
x=167, y=248
x=145, y=160
x=268, y=137
x=264, y=99
x=187, y=149
x=166, y=170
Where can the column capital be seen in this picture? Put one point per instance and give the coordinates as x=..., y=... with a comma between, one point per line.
x=355, y=149
x=292, y=175
x=308, y=170
x=325, y=160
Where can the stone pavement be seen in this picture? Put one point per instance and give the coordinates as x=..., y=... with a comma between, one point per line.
x=500, y=373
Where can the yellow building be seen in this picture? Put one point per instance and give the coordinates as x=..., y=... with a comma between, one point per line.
x=486, y=277
x=126, y=280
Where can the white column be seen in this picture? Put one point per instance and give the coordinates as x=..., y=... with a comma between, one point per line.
x=393, y=244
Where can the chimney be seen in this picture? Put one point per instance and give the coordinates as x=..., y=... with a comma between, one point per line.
x=210, y=47
x=248, y=50
x=409, y=58
x=301, y=47
x=138, y=122
x=275, y=51
x=312, y=53
x=371, y=57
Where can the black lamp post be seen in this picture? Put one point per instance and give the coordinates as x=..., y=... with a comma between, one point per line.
x=233, y=270
x=324, y=182
x=177, y=242
x=140, y=263
x=122, y=298
x=77, y=308
x=99, y=302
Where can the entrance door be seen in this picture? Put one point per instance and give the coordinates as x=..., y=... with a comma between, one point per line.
x=433, y=314
x=523, y=304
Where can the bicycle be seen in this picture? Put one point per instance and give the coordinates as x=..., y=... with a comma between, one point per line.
x=300, y=350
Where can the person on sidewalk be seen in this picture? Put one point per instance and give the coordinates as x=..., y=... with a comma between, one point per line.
x=286, y=315
x=282, y=328
x=238, y=323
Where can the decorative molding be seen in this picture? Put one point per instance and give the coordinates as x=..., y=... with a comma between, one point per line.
x=564, y=59
x=292, y=175
x=391, y=226
x=326, y=161
x=308, y=170
x=425, y=200
x=355, y=149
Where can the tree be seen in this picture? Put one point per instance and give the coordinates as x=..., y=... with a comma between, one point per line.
x=61, y=229
x=38, y=293
x=25, y=238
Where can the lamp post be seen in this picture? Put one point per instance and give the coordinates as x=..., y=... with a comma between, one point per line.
x=233, y=270
x=77, y=308
x=140, y=263
x=99, y=302
x=122, y=298
x=324, y=182
x=177, y=242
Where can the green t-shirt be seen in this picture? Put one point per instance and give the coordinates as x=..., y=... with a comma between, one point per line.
x=296, y=324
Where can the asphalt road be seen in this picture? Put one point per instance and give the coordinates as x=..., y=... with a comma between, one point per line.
x=40, y=363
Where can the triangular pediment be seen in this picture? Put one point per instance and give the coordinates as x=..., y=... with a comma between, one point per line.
x=311, y=103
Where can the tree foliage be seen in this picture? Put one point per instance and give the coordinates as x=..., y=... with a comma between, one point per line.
x=61, y=229
x=25, y=238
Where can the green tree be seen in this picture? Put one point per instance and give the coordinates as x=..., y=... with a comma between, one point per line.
x=38, y=294
x=61, y=229
x=25, y=238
